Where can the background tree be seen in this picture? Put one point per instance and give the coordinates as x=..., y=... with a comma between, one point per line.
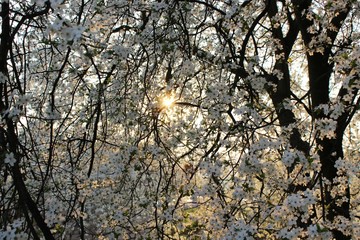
x=179, y=119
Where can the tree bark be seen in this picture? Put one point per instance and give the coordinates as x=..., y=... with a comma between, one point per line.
x=24, y=196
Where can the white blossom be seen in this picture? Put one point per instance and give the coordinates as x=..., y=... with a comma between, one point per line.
x=3, y=78
x=10, y=159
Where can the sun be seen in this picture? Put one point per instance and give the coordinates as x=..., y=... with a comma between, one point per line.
x=168, y=101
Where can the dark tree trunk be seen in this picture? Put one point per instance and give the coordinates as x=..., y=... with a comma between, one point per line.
x=25, y=199
x=330, y=149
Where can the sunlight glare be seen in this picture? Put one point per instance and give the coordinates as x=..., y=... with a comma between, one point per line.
x=168, y=101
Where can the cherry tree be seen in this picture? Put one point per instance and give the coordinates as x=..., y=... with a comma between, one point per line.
x=172, y=119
